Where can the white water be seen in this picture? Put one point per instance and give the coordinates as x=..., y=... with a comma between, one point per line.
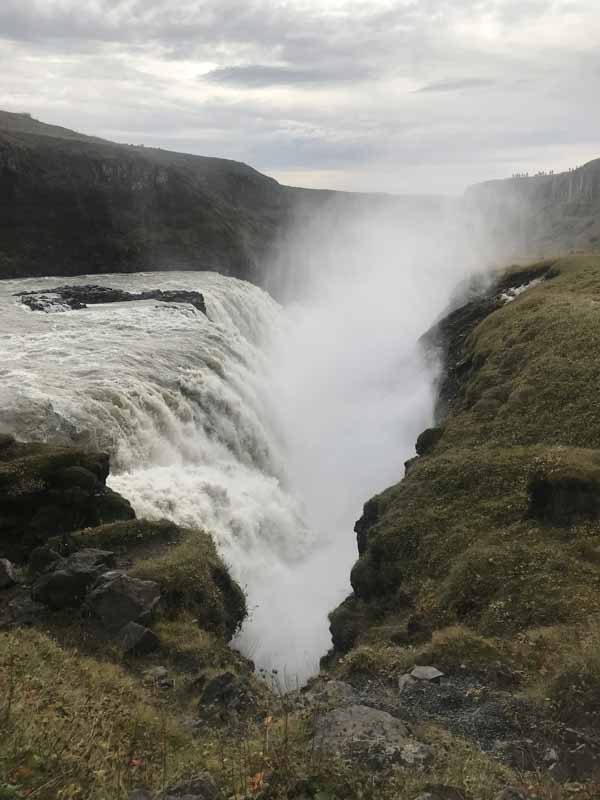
x=268, y=427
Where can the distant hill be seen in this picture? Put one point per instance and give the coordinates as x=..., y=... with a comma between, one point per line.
x=74, y=204
x=540, y=215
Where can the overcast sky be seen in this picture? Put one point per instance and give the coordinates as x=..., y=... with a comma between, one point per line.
x=386, y=95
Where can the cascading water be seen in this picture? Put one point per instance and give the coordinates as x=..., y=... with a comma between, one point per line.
x=267, y=426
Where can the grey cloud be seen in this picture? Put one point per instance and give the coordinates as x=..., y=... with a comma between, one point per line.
x=260, y=75
x=457, y=84
x=344, y=81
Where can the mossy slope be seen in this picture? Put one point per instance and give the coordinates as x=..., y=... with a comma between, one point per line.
x=496, y=529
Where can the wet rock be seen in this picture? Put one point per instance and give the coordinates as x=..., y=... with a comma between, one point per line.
x=8, y=576
x=428, y=440
x=117, y=599
x=200, y=787
x=69, y=579
x=369, y=518
x=137, y=640
x=371, y=736
x=426, y=674
x=75, y=298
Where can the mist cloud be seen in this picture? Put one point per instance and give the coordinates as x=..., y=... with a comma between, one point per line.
x=379, y=95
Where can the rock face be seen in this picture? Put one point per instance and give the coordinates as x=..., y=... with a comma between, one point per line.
x=365, y=733
x=447, y=341
x=69, y=579
x=118, y=599
x=63, y=298
x=136, y=640
x=539, y=215
x=48, y=491
x=72, y=204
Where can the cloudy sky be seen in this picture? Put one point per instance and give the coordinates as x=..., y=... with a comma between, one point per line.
x=383, y=95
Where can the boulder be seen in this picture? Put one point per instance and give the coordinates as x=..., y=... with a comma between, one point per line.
x=69, y=579
x=370, y=736
x=225, y=692
x=426, y=674
x=8, y=577
x=428, y=440
x=136, y=640
x=117, y=599
x=405, y=682
x=41, y=559
x=331, y=693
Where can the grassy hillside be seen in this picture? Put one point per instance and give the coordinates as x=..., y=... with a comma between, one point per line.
x=491, y=543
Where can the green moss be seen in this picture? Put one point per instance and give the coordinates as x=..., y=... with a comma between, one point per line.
x=193, y=578
x=461, y=540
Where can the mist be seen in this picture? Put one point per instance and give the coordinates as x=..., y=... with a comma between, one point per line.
x=349, y=390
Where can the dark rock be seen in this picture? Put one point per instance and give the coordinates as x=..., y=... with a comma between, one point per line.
x=8, y=576
x=200, y=787
x=117, y=599
x=369, y=518
x=136, y=640
x=563, y=499
x=446, y=343
x=428, y=440
x=25, y=612
x=69, y=579
x=75, y=298
x=41, y=559
x=49, y=491
x=225, y=692
x=343, y=624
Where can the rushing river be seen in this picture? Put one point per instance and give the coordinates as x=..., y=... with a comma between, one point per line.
x=269, y=427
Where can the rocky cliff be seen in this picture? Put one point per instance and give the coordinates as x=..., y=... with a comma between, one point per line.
x=539, y=215
x=72, y=204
